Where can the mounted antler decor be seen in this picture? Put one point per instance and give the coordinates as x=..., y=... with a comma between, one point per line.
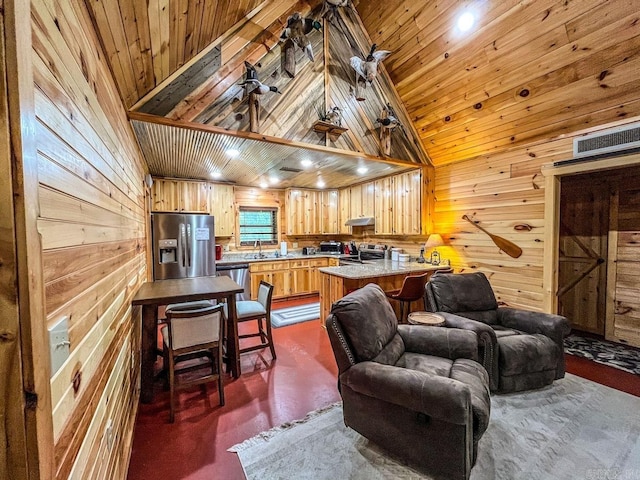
x=503, y=244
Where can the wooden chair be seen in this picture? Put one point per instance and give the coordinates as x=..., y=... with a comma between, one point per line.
x=192, y=335
x=412, y=290
x=250, y=310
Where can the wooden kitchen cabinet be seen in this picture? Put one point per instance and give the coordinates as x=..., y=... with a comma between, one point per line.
x=384, y=203
x=329, y=212
x=276, y=273
x=407, y=190
x=362, y=199
x=288, y=277
x=303, y=212
x=344, y=210
x=179, y=196
x=300, y=277
x=222, y=201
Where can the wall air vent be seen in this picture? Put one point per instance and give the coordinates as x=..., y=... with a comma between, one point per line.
x=606, y=141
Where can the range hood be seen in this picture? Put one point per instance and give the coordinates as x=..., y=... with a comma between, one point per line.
x=360, y=222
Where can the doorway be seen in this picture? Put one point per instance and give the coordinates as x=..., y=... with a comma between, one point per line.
x=598, y=261
x=583, y=250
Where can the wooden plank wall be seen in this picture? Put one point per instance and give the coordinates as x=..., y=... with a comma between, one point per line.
x=93, y=227
x=501, y=191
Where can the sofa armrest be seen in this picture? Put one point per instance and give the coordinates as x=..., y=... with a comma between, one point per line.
x=487, y=342
x=438, y=397
x=555, y=327
x=442, y=342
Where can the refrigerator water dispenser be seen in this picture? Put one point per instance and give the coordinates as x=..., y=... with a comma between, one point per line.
x=168, y=250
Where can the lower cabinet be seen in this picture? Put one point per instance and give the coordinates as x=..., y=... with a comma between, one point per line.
x=288, y=277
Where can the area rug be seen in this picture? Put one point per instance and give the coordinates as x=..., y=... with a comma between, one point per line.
x=605, y=352
x=573, y=429
x=291, y=315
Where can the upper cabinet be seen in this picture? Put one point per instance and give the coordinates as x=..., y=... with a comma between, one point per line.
x=344, y=211
x=397, y=204
x=329, y=212
x=222, y=202
x=407, y=203
x=179, y=196
x=196, y=197
x=362, y=200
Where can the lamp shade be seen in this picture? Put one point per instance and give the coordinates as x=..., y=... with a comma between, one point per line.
x=434, y=240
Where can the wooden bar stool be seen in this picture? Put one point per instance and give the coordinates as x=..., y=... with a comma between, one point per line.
x=248, y=310
x=412, y=290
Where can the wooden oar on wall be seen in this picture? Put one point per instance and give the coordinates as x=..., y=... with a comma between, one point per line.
x=503, y=244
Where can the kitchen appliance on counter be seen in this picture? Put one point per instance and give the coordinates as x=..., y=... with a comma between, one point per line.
x=372, y=252
x=331, y=246
x=309, y=250
x=183, y=246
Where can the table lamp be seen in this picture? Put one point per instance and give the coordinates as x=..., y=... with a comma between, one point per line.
x=434, y=241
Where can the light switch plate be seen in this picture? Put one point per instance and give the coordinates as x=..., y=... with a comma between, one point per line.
x=59, y=343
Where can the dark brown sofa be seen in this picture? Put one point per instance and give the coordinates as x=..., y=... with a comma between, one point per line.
x=520, y=349
x=416, y=391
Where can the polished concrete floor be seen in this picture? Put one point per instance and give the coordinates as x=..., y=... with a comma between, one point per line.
x=267, y=394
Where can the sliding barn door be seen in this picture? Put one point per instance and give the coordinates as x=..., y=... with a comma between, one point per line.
x=623, y=315
x=584, y=227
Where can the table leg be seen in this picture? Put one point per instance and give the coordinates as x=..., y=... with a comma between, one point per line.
x=148, y=353
x=233, y=347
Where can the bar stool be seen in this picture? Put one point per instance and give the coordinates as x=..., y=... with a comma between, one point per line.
x=412, y=290
x=247, y=310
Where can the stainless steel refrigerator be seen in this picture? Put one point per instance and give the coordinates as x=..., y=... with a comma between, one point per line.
x=183, y=246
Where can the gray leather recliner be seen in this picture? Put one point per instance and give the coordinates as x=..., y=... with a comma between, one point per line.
x=416, y=391
x=520, y=349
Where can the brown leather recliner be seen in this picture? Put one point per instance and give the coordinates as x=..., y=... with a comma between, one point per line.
x=416, y=391
x=520, y=349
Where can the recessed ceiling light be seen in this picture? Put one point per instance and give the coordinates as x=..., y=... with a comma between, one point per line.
x=232, y=152
x=306, y=163
x=273, y=180
x=362, y=170
x=216, y=174
x=264, y=184
x=465, y=21
x=320, y=183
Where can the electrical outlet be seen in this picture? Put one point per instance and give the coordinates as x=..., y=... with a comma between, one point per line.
x=59, y=344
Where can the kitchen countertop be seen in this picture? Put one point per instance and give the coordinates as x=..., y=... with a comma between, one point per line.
x=378, y=268
x=235, y=258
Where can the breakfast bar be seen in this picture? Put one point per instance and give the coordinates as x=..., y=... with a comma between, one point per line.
x=336, y=282
x=153, y=294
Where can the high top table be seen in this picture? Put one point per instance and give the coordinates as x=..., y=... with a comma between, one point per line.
x=163, y=292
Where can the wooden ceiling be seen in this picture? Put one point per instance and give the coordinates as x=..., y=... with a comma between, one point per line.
x=173, y=147
x=526, y=71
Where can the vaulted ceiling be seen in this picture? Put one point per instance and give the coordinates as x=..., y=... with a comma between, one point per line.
x=525, y=71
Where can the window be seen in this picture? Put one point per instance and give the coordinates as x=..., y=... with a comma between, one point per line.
x=258, y=224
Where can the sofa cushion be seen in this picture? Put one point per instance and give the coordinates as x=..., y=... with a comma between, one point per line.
x=467, y=292
x=367, y=320
x=519, y=354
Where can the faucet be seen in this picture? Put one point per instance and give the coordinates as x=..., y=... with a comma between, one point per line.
x=359, y=256
x=259, y=248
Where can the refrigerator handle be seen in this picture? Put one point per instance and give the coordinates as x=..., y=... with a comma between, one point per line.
x=189, y=245
x=182, y=245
